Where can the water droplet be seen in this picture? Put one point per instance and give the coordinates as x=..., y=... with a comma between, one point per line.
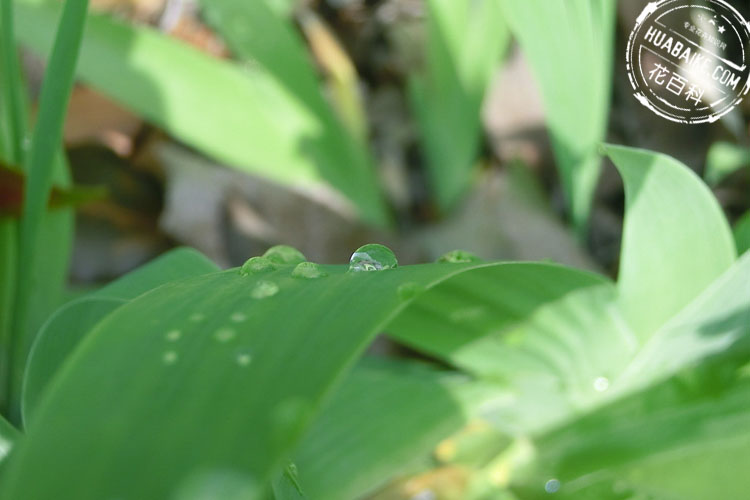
x=169, y=357
x=173, y=335
x=238, y=317
x=425, y=495
x=264, y=289
x=601, y=384
x=308, y=270
x=458, y=257
x=284, y=254
x=243, y=358
x=409, y=290
x=467, y=314
x=197, y=317
x=372, y=257
x=218, y=483
x=256, y=265
x=224, y=334
x=552, y=486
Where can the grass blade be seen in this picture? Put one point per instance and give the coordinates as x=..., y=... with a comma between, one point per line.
x=464, y=45
x=565, y=40
x=45, y=145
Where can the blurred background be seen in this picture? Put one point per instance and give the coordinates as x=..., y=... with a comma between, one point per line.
x=433, y=122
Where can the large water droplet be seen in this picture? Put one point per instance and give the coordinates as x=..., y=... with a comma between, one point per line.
x=284, y=254
x=409, y=290
x=224, y=334
x=552, y=486
x=263, y=289
x=372, y=257
x=256, y=265
x=458, y=257
x=308, y=270
x=601, y=384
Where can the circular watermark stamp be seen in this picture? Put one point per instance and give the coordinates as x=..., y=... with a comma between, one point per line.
x=688, y=60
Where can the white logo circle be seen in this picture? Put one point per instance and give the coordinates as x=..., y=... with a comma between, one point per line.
x=688, y=61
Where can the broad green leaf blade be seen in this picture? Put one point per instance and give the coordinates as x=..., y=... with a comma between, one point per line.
x=64, y=330
x=742, y=234
x=253, y=360
x=264, y=38
x=464, y=43
x=716, y=322
x=570, y=45
x=57, y=338
x=676, y=240
x=723, y=159
x=669, y=442
x=239, y=115
x=8, y=436
x=454, y=320
x=386, y=417
x=35, y=228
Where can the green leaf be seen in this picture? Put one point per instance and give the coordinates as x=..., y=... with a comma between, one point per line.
x=742, y=234
x=724, y=159
x=8, y=436
x=36, y=229
x=240, y=115
x=459, y=320
x=243, y=381
x=260, y=36
x=57, y=338
x=13, y=115
x=465, y=41
x=386, y=417
x=669, y=442
x=676, y=240
x=570, y=45
x=64, y=330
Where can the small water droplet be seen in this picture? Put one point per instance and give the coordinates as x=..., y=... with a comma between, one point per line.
x=169, y=357
x=308, y=270
x=467, y=314
x=458, y=257
x=552, y=486
x=424, y=495
x=173, y=335
x=409, y=290
x=243, y=358
x=238, y=317
x=601, y=384
x=197, y=317
x=372, y=257
x=256, y=265
x=264, y=289
x=284, y=255
x=224, y=334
